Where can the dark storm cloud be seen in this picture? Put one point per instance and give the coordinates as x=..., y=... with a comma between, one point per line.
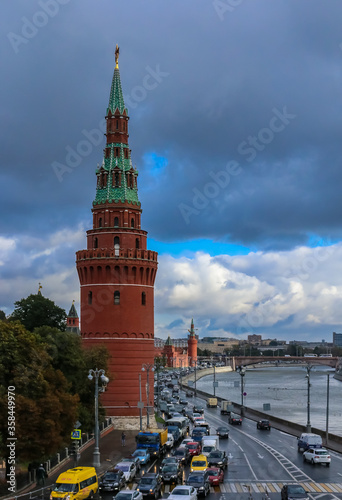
x=236, y=136
x=221, y=79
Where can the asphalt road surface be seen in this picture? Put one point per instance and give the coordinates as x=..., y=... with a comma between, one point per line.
x=260, y=462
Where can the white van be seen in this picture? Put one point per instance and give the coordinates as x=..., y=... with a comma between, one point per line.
x=209, y=443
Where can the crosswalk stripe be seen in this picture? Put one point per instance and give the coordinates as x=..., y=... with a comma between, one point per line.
x=334, y=488
x=316, y=487
x=260, y=487
x=326, y=487
x=232, y=487
x=308, y=487
x=271, y=487
x=277, y=487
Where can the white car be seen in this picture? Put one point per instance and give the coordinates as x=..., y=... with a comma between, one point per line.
x=317, y=456
x=128, y=495
x=129, y=469
x=183, y=493
x=185, y=441
x=170, y=441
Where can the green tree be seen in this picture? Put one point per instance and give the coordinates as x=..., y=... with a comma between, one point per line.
x=44, y=408
x=36, y=310
x=2, y=316
x=204, y=352
x=68, y=355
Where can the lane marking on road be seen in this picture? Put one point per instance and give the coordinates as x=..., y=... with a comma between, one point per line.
x=249, y=465
x=292, y=469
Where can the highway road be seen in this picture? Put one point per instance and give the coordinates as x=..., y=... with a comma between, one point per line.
x=261, y=461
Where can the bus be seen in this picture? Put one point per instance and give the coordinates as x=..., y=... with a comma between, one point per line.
x=181, y=422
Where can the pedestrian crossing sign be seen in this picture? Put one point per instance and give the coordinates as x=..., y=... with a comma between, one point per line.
x=76, y=434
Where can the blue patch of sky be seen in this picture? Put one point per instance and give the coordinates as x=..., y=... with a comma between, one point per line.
x=189, y=248
x=314, y=240
x=154, y=163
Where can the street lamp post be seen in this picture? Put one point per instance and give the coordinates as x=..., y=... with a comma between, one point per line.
x=140, y=402
x=146, y=367
x=242, y=370
x=308, y=423
x=214, y=380
x=327, y=414
x=97, y=373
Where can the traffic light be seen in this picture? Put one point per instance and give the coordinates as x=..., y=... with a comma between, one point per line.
x=73, y=449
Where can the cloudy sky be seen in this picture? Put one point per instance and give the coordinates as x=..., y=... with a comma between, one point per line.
x=235, y=127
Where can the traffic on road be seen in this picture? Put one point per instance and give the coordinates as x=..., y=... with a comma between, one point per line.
x=203, y=453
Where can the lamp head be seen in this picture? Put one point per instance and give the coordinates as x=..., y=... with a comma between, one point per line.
x=90, y=377
x=104, y=379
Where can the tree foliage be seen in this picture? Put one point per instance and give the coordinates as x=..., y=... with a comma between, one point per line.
x=44, y=408
x=36, y=310
x=68, y=355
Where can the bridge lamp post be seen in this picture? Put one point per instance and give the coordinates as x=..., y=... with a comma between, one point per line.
x=146, y=367
x=242, y=371
x=307, y=376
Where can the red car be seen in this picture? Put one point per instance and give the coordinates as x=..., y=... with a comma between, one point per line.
x=216, y=475
x=194, y=448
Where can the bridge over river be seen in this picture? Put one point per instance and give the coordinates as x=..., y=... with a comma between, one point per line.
x=236, y=361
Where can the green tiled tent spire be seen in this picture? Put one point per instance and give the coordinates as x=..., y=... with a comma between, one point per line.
x=120, y=163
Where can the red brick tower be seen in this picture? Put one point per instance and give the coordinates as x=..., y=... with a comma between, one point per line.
x=117, y=272
x=192, y=345
x=73, y=322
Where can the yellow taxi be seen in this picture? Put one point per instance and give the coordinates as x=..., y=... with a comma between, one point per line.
x=199, y=462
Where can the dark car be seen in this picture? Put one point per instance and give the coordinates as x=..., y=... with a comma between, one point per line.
x=189, y=394
x=150, y=485
x=198, y=433
x=198, y=409
x=183, y=456
x=218, y=458
x=188, y=413
x=200, y=481
x=264, y=425
x=172, y=473
x=293, y=491
x=168, y=461
x=222, y=432
x=235, y=419
x=112, y=480
x=183, y=402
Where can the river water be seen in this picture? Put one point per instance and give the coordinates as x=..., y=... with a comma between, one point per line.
x=286, y=390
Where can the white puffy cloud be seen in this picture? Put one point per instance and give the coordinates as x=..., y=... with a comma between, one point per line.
x=288, y=294
x=301, y=289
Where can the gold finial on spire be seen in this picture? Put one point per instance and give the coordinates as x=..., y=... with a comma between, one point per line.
x=117, y=50
x=39, y=288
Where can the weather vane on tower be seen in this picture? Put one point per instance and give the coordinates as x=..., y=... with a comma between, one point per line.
x=117, y=50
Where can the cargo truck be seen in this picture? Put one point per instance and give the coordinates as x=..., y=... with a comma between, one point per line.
x=153, y=440
x=226, y=407
x=212, y=403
